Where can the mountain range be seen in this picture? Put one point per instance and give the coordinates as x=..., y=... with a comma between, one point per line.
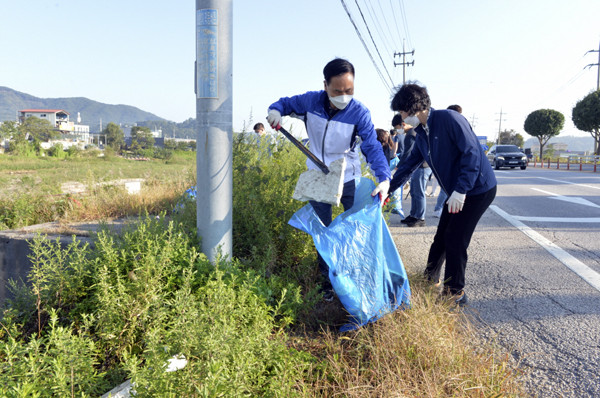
x=12, y=101
x=574, y=144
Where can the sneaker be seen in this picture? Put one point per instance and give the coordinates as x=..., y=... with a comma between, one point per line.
x=409, y=219
x=328, y=295
x=396, y=211
x=437, y=213
x=460, y=298
x=454, y=299
x=416, y=223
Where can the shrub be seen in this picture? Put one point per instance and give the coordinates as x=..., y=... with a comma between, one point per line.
x=135, y=300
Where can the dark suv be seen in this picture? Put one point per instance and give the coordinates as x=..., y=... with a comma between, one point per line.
x=507, y=156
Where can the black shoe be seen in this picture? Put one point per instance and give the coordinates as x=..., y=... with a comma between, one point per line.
x=409, y=219
x=460, y=298
x=416, y=223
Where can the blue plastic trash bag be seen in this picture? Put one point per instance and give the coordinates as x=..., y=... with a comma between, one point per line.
x=365, y=268
x=188, y=195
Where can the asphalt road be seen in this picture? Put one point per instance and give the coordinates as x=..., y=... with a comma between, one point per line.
x=533, y=276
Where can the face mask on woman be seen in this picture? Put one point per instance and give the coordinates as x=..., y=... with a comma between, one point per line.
x=412, y=120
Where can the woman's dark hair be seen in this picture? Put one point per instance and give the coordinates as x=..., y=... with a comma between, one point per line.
x=337, y=67
x=410, y=98
x=383, y=136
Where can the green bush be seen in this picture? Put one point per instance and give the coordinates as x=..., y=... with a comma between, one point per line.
x=56, y=151
x=123, y=308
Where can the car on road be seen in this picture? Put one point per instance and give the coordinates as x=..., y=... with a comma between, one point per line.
x=507, y=156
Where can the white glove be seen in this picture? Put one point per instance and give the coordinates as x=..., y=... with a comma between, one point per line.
x=382, y=189
x=274, y=118
x=456, y=202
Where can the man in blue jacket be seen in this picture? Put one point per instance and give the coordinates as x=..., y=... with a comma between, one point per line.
x=447, y=143
x=335, y=122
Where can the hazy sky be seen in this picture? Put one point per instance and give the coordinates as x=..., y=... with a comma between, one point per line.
x=514, y=55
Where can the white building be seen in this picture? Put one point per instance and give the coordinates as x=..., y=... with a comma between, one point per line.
x=59, y=119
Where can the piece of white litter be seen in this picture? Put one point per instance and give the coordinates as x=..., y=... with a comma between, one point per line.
x=176, y=363
x=126, y=389
x=320, y=187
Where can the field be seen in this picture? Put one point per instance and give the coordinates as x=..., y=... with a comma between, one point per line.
x=33, y=192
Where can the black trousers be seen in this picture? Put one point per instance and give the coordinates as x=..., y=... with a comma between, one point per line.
x=324, y=211
x=452, y=239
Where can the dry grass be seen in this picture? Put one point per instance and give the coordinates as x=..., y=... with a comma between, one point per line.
x=429, y=350
x=115, y=202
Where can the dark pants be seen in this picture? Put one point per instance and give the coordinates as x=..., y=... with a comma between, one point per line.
x=452, y=239
x=324, y=211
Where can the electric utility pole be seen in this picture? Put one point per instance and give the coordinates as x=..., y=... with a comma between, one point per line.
x=214, y=135
x=500, y=126
x=596, y=65
x=473, y=121
x=403, y=54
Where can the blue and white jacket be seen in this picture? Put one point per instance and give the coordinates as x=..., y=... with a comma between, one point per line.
x=335, y=137
x=453, y=152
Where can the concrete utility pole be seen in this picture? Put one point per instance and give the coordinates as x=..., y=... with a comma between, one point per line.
x=214, y=116
x=404, y=63
x=596, y=65
x=499, y=127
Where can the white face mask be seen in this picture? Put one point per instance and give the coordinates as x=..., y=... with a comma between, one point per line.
x=412, y=120
x=341, y=101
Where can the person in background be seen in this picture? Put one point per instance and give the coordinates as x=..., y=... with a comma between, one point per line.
x=443, y=195
x=399, y=136
x=418, y=183
x=334, y=121
x=397, y=133
x=446, y=141
x=259, y=129
x=387, y=144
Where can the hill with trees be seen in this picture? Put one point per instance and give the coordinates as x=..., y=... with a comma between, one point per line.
x=11, y=101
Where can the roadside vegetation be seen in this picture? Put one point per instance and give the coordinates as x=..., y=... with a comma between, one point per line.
x=92, y=316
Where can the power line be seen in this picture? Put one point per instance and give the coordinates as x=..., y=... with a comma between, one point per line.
x=366, y=47
x=374, y=44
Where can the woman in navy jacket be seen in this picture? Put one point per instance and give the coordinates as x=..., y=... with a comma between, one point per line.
x=447, y=143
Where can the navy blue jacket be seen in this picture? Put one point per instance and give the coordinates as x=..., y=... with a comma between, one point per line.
x=452, y=151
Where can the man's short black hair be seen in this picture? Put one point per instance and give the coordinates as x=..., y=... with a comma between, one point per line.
x=456, y=108
x=258, y=126
x=397, y=120
x=337, y=67
x=410, y=98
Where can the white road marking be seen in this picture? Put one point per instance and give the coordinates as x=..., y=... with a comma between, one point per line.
x=584, y=272
x=559, y=219
x=570, y=199
x=569, y=182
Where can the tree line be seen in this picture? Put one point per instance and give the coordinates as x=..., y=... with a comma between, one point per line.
x=547, y=123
